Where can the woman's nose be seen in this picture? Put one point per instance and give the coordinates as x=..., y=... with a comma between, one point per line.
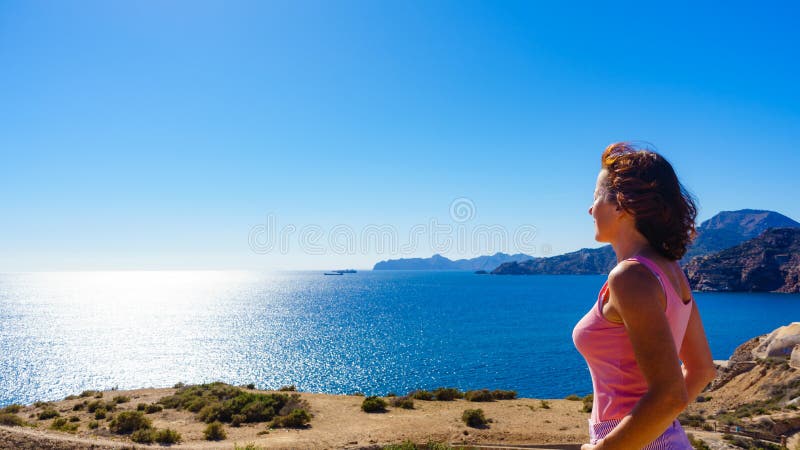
x=590, y=210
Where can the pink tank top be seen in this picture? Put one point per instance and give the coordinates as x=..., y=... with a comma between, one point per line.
x=616, y=379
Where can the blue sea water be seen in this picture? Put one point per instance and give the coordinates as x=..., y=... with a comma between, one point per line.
x=373, y=331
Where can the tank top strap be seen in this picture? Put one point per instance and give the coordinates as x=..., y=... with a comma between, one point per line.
x=663, y=279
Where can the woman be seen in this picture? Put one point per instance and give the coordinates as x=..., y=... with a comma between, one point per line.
x=645, y=321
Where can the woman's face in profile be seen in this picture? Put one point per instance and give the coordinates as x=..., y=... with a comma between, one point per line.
x=602, y=210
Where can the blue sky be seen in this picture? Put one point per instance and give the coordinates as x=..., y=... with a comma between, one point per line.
x=155, y=135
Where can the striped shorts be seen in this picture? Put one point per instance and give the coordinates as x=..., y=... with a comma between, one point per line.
x=674, y=438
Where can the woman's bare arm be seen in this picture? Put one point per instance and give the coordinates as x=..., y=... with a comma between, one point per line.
x=698, y=365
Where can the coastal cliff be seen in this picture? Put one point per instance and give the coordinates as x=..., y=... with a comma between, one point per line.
x=767, y=263
x=586, y=261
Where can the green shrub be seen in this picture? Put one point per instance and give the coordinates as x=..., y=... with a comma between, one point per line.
x=298, y=418
x=214, y=432
x=373, y=404
x=447, y=394
x=11, y=420
x=481, y=395
x=48, y=414
x=121, y=399
x=61, y=424
x=421, y=395
x=250, y=446
x=402, y=402
x=391, y=394
x=129, y=421
x=588, y=403
x=474, y=418
x=143, y=436
x=11, y=409
x=289, y=388
x=573, y=397
x=99, y=404
x=74, y=419
x=153, y=408
x=250, y=386
x=697, y=444
x=71, y=397
x=178, y=385
x=90, y=393
x=78, y=406
x=544, y=404
x=93, y=425
x=167, y=436
x=500, y=394
x=238, y=419
x=100, y=413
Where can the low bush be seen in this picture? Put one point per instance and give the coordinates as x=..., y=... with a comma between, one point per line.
x=544, y=404
x=238, y=419
x=298, y=418
x=421, y=395
x=214, y=432
x=402, y=402
x=127, y=422
x=61, y=424
x=500, y=394
x=481, y=395
x=48, y=414
x=78, y=406
x=250, y=446
x=121, y=399
x=588, y=403
x=143, y=436
x=474, y=418
x=447, y=394
x=250, y=386
x=697, y=444
x=11, y=409
x=74, y=419
x=11, y=420
x=153, y=408
x=573, y=397
x=91, y=393
x=93, y=425
x=100, y=414
x=167, y=436
x=373, y=404
x=289, y=388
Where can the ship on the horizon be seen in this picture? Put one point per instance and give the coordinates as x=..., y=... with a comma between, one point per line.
x=340, y=272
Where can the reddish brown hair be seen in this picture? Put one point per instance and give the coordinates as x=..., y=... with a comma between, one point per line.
x=643, y=183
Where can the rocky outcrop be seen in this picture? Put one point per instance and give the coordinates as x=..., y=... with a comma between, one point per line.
x=780, y=342
x=794, y=359
x=586, y=261
x=769, y=262
x=741, y=361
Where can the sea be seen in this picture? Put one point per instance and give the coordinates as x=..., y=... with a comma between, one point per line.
x=373, y=332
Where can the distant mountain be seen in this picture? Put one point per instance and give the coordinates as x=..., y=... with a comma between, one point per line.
x=769, y=262
x=439, y=262
x=586, y=261
x=730, y=228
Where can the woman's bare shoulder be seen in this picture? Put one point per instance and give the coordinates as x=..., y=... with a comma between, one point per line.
x=631, y=282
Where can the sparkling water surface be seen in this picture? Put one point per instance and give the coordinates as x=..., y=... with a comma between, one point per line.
x=373, y=331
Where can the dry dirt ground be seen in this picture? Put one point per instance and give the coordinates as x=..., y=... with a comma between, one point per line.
x=338, y=422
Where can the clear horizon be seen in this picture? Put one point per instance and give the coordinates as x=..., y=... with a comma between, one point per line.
x=147, y=136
